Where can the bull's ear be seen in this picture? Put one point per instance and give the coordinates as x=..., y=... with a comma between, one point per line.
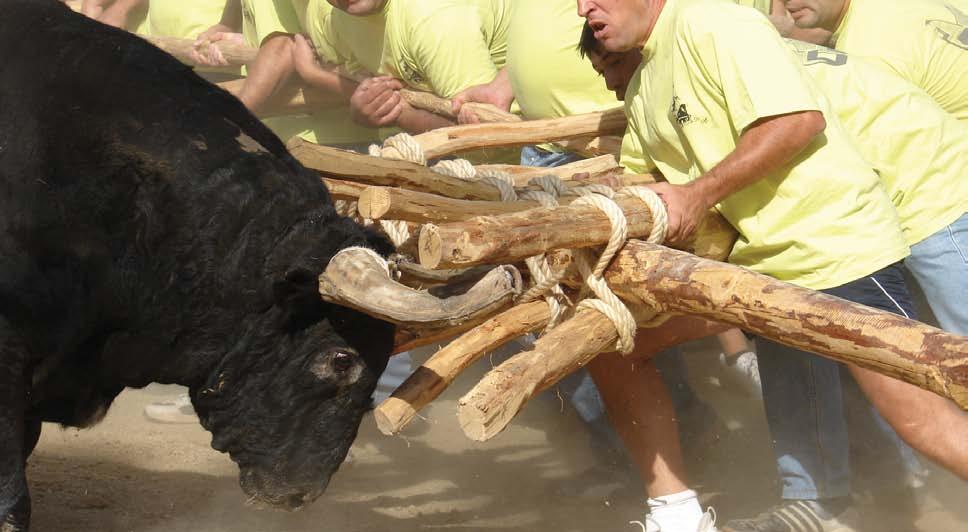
x=298, y=296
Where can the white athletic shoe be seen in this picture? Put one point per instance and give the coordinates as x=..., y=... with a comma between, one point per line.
x=706, y=524
x=178, y=409
x=741, y=371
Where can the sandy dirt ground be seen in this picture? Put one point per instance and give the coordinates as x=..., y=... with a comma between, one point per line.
x=547, y=472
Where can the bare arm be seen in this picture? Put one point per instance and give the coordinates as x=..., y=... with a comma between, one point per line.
x=767, y=145
x=270, y=70
x=313, y=74
x=416, y=121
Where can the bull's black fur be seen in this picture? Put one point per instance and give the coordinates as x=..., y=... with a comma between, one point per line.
x=153, y=230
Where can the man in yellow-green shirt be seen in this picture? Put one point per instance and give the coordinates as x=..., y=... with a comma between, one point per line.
x=438, y=46
x=270, y=26
x=729, y=117
x=923, y=41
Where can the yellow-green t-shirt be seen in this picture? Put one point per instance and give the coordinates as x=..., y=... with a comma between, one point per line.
x=923, y=41
x=332, y=126
x=632, y=156
x=919, y=150
x=438, y=46
x=763, y=6
x=710, y=70
x=548, y=76
x=184, y=19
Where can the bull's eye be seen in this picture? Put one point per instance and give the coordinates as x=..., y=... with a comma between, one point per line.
x=343, y=361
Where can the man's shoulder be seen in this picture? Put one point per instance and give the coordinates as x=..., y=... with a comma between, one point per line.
x=713, y=16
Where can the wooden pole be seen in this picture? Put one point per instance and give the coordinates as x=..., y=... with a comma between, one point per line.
x=500, y=395
x=446, y=141
x=402, y=204
x=347, y=165
x=440, y=370
x=236, y=54
x=523, y=174
x=514, y=236
x=675, y=282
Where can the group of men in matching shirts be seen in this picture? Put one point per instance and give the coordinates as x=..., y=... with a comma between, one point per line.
x=840, y=162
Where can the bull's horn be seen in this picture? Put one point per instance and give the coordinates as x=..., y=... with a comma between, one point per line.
x=359, y=278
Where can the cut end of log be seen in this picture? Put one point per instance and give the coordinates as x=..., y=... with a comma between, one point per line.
x=374, y=202
x=429, y=246
x=392, y=415
x=481, y=417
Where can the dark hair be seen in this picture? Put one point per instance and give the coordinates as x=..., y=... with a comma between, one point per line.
x=588, y=43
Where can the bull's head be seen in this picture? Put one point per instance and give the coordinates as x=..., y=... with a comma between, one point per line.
x=286, y=403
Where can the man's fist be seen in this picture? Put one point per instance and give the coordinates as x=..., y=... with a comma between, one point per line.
x=377, y=102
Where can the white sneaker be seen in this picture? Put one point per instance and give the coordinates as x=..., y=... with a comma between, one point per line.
x=741, y=371
x=708, y=521
x=178, y=409
x=706, y=524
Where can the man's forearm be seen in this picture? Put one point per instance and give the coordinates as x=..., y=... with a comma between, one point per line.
x=270, y=70
x=416, y=121
x=764, y=147
x=320, y=78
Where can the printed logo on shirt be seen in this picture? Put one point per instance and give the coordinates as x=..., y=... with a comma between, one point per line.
x=956, y=32
x=681, y=115
x=410, y=74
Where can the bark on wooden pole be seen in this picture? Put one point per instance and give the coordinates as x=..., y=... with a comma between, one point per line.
x=893, y=345
x=347, y=165
x=394, y=203
x=523, y=174
x=671, y=281
x=446, y=141
x=236, y=54
x=515, y=236
x=440, y=370
x=499, y=396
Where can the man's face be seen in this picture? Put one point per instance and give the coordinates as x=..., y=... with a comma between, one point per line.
x=619, y=25
x=815, y=13
x=359, y=7
x=617, y=68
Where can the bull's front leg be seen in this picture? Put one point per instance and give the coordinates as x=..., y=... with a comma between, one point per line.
x=14, y=498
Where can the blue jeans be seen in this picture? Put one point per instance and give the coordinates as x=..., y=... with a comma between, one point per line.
x=535, y=156
x=940, y=265
x=810, y=401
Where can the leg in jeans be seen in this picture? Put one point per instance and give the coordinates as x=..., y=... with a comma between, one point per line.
x=803, y=396
x=940, y=265
x=805, y=412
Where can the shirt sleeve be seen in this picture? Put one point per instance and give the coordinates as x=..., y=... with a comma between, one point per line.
x=263, y=18
x=745, y=62
x=450, y=51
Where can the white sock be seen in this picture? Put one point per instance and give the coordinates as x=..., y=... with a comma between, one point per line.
x=678, y=512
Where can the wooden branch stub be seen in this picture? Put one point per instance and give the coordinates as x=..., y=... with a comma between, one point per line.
x=440, y=370
x=449, y=140
x=355, y=279
x=488, y=408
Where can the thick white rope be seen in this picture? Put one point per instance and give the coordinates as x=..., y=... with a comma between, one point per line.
x=660, y=217
x=607, y=302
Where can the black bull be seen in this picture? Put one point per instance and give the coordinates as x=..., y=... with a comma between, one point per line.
x=153, y=230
